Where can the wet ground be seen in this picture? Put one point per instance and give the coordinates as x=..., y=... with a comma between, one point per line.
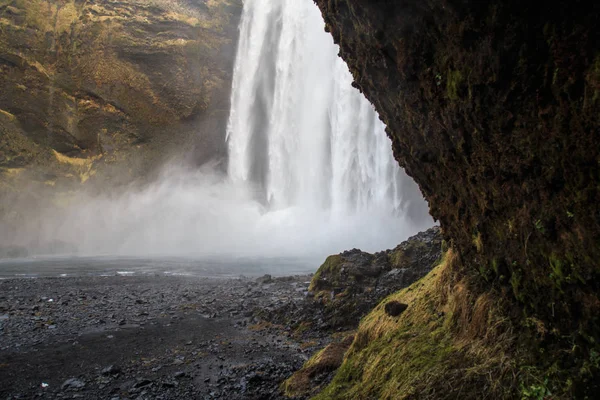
x=202, y=266
x=147, y=336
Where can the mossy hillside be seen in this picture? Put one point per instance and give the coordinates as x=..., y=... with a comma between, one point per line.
x=453, y=341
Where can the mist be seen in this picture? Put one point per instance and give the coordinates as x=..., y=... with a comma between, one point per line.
x=199, y=213
x=310, y=171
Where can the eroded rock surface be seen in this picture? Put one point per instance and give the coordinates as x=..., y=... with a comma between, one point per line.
x=87, y=86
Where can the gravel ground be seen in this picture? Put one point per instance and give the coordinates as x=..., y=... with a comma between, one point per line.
x=147, y=337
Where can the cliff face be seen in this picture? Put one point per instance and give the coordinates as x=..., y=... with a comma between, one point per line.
x=87, y=85
x=493, y=108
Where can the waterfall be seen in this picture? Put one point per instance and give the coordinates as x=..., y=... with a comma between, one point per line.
x=298, y=132
x=310, y=172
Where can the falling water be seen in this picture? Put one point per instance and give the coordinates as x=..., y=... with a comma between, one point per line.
x=298, y=131
x=310, y=170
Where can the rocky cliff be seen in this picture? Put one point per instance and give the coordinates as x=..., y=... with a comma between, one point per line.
x=493, y=108
x=111, y=86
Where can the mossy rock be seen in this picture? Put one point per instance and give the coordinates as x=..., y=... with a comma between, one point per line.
x=356, y=271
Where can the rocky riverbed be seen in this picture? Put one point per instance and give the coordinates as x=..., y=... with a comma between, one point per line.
x=188, y=337
x=138, y=337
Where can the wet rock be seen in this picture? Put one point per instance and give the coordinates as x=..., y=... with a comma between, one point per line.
x=72, y=383
x=111, y=370
x=395, y=308
x=348, y=285
x=357, y=271
x=179, y=374
x=265, y=279
x=142, y=382
x=215, y=356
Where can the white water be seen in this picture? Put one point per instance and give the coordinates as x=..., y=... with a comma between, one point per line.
x=310, y=172
x=298, y=129
x=302, y=134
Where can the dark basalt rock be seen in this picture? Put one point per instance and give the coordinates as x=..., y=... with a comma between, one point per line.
x=395, y=308
x=356, y=271
x=348, y=285
x=72, y=383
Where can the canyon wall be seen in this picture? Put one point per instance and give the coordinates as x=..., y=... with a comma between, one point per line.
x=111, y=86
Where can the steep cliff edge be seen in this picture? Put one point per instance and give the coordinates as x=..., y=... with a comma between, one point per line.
x=493, y=108
x=89, y=85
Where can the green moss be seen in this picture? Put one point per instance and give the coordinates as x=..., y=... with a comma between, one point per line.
x=398, y=258
x=477, y=242
x=392, y=371
x=327, y=273
x=495, y=266
x=453, y=82
x=593, y=79
x=556, y=268
x=423, y=352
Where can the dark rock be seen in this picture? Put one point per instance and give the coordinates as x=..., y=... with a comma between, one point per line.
x=72, y=383
x=357, y=270
x=142, y=382
x=395, y=308
x=265, y=279
x=179, y=374
x=111, y=370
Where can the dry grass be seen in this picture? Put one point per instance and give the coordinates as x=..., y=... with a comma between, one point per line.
x=5, y=114
x=83, y=167
x=451, y=342
x=326, y=360
x=66, y=17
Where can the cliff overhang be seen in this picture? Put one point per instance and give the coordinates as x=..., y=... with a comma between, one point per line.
x=493, y=108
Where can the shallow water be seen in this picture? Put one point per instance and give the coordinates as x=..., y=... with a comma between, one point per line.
x=58, y=266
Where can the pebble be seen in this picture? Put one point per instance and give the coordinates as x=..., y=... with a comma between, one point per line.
x=220, y=360
x=72, y=383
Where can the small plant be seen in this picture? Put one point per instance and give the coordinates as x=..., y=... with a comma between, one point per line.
x=539, y=225
x=438, y=79
x=536, y=392
x=570, y=214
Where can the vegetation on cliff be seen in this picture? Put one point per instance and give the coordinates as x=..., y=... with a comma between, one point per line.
x=493, y=108
x=114, y=82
